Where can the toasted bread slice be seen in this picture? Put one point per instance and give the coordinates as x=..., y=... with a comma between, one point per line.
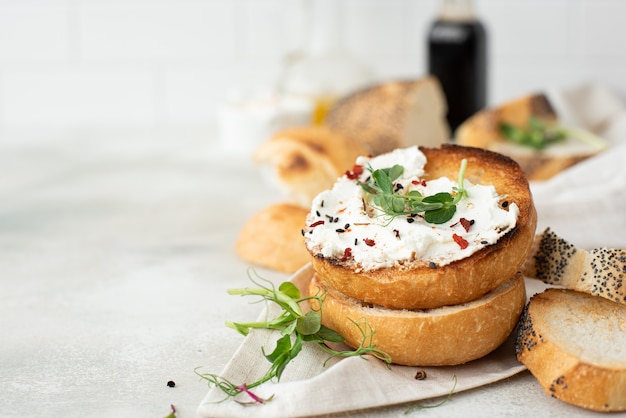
x=306, y=160
x=599, y=272
x=417, y=284
x=445, y=336
x=272, y=238
x=575, y=345
x=393, y=114
x=482, y=130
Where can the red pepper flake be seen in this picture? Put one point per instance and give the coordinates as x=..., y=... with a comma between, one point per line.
x=460, y=240
x=466, y=223
x=369, y=242
x=357, y=170
x=347, y=254
x=419, y=182
x=314, y=224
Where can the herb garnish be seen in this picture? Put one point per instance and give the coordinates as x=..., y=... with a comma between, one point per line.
x=296, y=328
x=392, y=201
x=436, y=405
x=539, y=134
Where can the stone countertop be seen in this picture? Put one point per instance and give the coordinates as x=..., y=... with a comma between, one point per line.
x=115, y=257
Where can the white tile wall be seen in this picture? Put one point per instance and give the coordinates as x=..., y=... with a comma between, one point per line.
x=152, y=63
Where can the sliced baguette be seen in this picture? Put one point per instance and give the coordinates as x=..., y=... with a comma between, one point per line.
x=393, y=114
x=436, y=337
x=599, y=272
x=575, y=345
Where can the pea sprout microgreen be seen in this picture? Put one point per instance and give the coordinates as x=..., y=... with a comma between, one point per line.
x=296, y=328
x=540, y=134
x=436, y=405
x=392, y=201
x=173, y=413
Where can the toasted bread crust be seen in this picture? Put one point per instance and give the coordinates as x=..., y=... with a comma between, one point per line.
x=307, y=160
x=568, y=370
x=416, y=285
x=599, y=272
x=440, y=337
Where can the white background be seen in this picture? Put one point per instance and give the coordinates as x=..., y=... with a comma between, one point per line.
x=71, y=65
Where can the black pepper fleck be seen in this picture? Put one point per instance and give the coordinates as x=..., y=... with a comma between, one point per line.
x=420, y=375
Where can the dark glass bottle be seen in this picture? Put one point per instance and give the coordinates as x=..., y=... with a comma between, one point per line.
x=457, y=56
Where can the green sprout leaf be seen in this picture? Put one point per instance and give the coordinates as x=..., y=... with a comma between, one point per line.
x=330, y=335
x=537, y=134
x=295, y=328
x=395, y=172
x=383, y=181
x=437, y=209
x=435, y=405
x=309, y=324
x=290, y=290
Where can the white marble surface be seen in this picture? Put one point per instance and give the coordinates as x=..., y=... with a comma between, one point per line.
x=116, y=251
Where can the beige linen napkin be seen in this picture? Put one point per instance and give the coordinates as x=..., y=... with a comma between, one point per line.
x=308, y=388
x=585, y=204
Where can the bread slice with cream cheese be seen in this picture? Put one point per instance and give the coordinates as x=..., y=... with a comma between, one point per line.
x=483, y=130
x=417, y=283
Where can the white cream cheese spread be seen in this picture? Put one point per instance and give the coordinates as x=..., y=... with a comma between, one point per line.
x=344, y=223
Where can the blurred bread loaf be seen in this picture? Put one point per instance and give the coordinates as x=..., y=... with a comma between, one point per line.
x=303, y=161
x=393, y=114
x=483, y=130
x=575, y=345
x=307, y=160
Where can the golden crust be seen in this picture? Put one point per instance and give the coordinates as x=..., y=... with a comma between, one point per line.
x=272, y=238
x=597, y=385
x=441, y=337
x=418, y=286
x=307, y=160
x=481, y=130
